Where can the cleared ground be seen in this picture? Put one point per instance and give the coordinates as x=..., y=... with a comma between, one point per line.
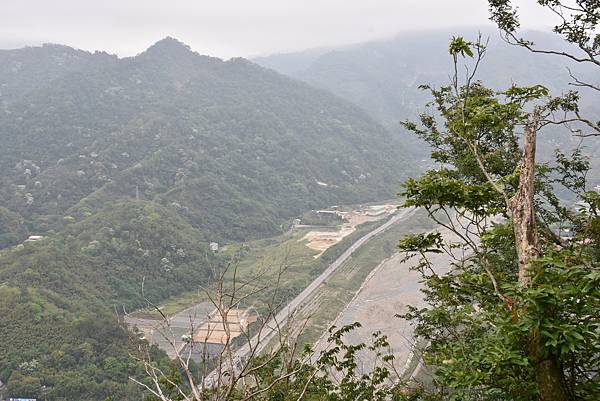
x=342, y=287
x=219, y=330
x=286, y=315
x=169, y=336
x=386, y=292
x=321, y=240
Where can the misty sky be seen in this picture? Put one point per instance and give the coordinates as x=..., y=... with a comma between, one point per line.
x=227, y=28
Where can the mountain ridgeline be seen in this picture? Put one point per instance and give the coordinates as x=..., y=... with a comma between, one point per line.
x=234, y=148
x=383, y=77
x=128, y=168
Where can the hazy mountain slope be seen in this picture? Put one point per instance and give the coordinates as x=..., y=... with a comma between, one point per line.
x=129, y=168
x=27, y=69
x=234, y=147
x=383, y=77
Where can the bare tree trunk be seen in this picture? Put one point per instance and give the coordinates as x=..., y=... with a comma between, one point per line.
x=523, y=211
x=550, y=378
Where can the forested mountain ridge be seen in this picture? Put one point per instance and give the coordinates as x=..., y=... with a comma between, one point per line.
x=383, y=77
x=211, y=138
x=128, y=168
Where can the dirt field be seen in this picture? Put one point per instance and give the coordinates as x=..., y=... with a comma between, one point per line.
x=323, y=240
x=208, y=326
x=156, y=331
x=214, y=331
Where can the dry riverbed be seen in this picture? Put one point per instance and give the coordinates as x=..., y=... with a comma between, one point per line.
x=385, y=293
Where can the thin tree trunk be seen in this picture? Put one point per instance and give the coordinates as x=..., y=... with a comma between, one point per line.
x=549, y=374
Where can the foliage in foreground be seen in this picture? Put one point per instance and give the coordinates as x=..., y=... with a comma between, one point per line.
x=333, y=374
x=501, y=326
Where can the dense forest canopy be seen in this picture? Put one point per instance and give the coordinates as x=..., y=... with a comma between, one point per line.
x=234, y=148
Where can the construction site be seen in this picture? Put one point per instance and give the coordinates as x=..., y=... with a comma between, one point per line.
x=221, y=328
x=322, y=239
x=203, y=323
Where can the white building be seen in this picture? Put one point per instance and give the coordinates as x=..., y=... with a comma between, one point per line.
x=33, y=238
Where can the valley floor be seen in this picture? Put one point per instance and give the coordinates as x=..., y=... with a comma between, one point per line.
x=386, y=292
x=370, y=287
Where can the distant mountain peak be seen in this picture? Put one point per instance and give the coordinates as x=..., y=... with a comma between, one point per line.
x=168, y=46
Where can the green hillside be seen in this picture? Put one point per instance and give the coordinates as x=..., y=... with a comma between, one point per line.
x=59, y=298
x=128, y=168
x=236, y=149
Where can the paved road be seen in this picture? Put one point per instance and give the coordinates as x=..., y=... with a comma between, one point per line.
x=261, y=340
x=388, y=291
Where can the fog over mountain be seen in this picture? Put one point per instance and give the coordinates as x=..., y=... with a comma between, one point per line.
x=284, y=200
x=233, y=28
x=383, y=77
